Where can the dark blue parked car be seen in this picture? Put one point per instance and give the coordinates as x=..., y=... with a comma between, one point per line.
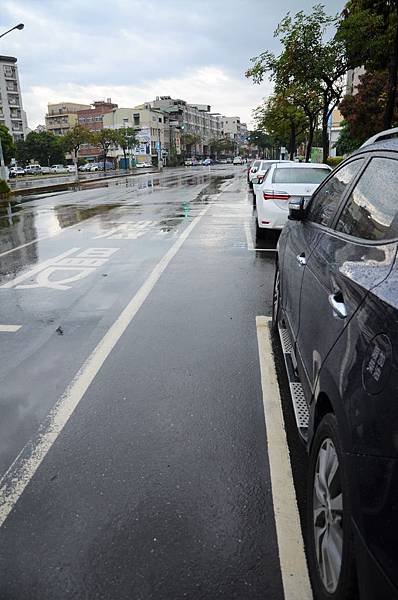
x=336, y=309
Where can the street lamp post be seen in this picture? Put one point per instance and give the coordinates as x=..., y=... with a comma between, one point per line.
x=3, y=168
x=19, y=26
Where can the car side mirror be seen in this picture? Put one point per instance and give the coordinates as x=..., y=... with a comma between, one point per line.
x=254, y=170
x=296, y=209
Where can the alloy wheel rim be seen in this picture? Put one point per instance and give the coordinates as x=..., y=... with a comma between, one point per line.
x=328, y=515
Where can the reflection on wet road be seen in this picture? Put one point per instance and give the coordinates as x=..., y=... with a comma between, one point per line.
x=156, y=483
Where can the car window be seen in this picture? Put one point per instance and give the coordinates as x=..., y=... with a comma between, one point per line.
x=325, y=202
x=256, y=164
x=298, y=175
x=371, y=212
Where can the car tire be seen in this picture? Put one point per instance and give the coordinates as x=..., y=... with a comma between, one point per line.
x=276, y=299
x=329, y=533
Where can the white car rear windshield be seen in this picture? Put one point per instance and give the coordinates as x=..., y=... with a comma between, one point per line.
x=299, y=175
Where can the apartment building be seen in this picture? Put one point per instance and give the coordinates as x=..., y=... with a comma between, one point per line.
x=93, y=119
x=62, y=116
x=151, y=125
x=185, y=118
x=12, y=114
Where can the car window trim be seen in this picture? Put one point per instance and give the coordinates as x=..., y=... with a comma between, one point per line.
x=344, y=197
x=346, y=236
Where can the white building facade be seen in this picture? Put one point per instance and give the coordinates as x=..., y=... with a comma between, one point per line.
x=12, y=114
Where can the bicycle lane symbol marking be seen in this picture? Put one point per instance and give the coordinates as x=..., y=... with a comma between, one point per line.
x=75, y=267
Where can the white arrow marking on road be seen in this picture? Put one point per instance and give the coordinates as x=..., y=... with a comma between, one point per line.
x=9, y=328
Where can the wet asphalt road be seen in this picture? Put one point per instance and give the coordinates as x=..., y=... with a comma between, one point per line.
x=158, y=486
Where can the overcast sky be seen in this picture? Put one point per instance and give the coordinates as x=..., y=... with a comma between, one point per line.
x=134, y=50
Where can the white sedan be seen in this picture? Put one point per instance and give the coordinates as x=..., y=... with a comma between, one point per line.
x=284, y=181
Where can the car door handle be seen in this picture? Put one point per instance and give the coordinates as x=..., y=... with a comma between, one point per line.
x=337, y=303
x=302, y=261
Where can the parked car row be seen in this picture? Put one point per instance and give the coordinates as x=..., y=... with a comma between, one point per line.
x=39, y=170
x=193, y=162
x=335, y=307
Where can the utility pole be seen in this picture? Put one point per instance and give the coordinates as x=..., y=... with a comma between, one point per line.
x=160, y=163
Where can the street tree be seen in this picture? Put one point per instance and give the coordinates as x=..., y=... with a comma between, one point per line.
x=43, y=147
x=7, y=144
x=74, y=139
x=262, y=140
x=283, y=120
x=105, y=139
x=126, y=138
x=346, y=143
x=364, y=112
x=312, y=61
x=369, y=31
x=221, y=146
x=191, y=140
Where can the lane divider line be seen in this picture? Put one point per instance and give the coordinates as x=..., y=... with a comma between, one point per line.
x=295, y=579
x=18, y=476
x=9, y=328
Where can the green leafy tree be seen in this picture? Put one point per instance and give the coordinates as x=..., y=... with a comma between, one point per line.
x=346, y=143
x=105, y=139
x=283, y=120
x=74, y=139
x=7, y=144
x=221, y=146
x=369, y=31
x=364, y=112
x=43, y=147
x=262, y=140
x=126, y=138
x=190, y=140
x=312, y=62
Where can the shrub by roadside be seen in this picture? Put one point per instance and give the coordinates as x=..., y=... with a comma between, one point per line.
x=4, y=190
x=334, y=161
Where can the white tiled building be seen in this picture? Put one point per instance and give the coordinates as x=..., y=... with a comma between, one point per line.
x=12, y=114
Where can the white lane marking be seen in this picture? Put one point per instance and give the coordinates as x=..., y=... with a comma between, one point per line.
x=82, y=265
x=9, y=328
x=249, y=239
x=38, y=268
x=29, y=459
x=292, y=559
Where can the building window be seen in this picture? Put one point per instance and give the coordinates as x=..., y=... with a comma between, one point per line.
x=136, y=119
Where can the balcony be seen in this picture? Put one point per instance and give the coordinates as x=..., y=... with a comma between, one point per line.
x=10, y=72
x=13, y=100
x=16, y=126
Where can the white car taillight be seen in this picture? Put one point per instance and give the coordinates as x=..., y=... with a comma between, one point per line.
x=275, y=195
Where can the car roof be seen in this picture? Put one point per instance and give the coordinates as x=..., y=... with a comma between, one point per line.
x=294, y=165
x=390, y=145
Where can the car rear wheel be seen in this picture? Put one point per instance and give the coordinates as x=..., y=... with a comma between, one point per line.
x=330, y=546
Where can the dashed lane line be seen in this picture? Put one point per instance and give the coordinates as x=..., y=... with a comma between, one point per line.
x=20, y=473
x=9, y=328
x=295, y=579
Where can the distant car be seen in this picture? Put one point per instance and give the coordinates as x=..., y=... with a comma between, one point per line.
x=45, y=170
x=238, y=160
x=229, y=161
x=143, y=165
x=285, y=181
x=33, y=170
x=207, y=162
x=58, y=169
x=86, y=167
x=71, y=168
x=190, y=162
x=16, y=172
x=252, y=170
